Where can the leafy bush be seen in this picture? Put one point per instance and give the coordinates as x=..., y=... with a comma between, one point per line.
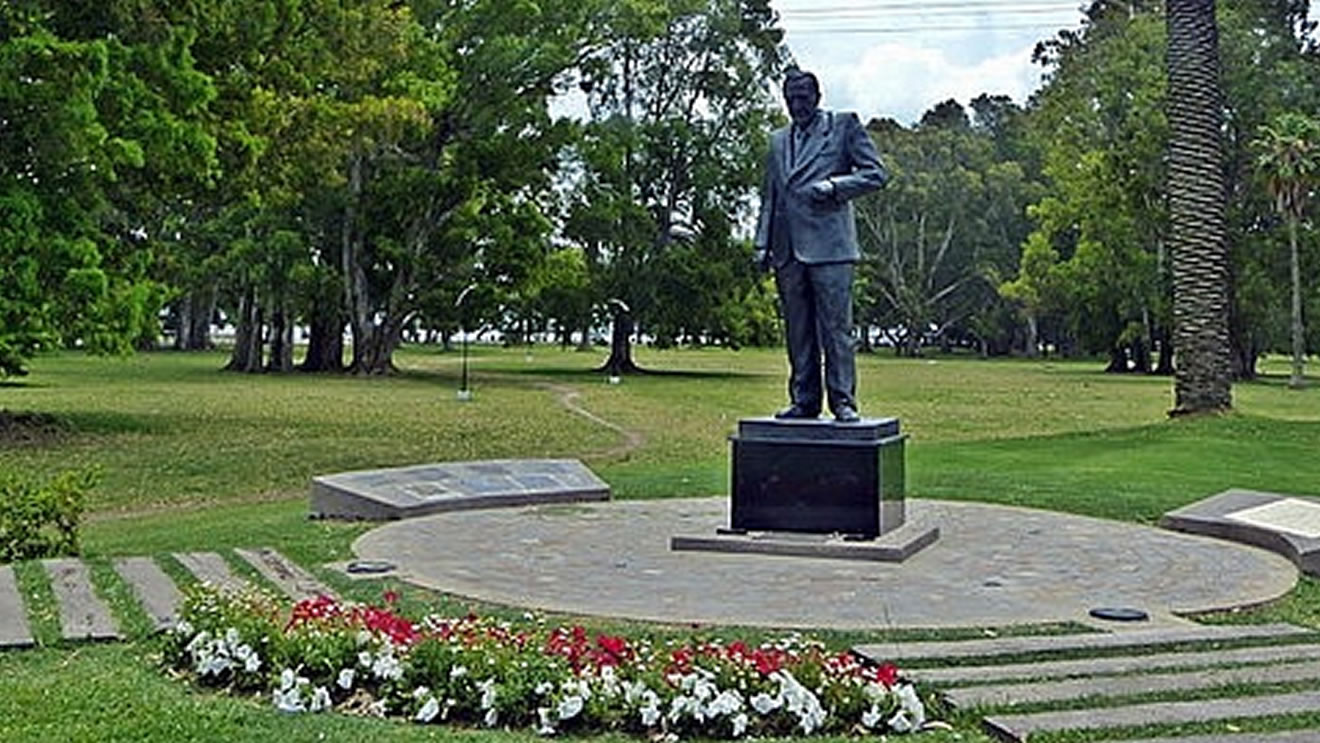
x=40, y=519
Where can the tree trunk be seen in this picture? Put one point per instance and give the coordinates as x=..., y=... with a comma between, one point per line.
x=281, y=342
x=246, y=355
x=1297, y=379
x=325, y=342
x=1197, y=235
x=1033, y=336
x=621, y=361
x=1118, y=363
x=195, y=312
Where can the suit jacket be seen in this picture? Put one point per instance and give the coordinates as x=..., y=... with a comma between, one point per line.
x=791, y=222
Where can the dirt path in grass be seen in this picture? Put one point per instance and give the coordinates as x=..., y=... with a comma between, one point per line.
x=568, y=397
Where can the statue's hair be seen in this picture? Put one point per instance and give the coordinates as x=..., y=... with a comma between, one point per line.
x=795, y=73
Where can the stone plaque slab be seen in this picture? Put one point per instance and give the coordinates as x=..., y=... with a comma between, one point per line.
x=83, y=615
x=296, y=583
x=1290, y=515
x=210, y=567
x=1286, y=524
x=156, y=591
x=14, y=630
x=405, y=492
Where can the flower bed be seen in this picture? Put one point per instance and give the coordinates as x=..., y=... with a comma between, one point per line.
x=323, y=655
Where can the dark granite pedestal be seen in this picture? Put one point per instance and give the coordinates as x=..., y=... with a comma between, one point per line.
x=817, y=488
x=818, y=476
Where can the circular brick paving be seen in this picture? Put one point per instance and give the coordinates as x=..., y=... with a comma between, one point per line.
x=993, y=565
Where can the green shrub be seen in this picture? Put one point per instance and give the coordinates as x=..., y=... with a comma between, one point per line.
x=40, y=519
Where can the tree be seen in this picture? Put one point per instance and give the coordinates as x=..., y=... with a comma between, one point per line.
x=1290, y=161
x=947, y=222
x=1202, y=381
x=680, y=110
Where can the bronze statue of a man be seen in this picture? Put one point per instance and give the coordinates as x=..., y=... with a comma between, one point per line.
x=807, y=232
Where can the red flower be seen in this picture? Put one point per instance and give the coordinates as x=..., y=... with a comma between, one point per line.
x=391, y=597
x=887, y=674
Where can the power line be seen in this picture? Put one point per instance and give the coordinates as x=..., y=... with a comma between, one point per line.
x=963, y=5
x=944, y=12
x=924, y=29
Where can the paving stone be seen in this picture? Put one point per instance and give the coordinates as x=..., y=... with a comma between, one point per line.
x=896, y=545
x=210, y=567
x=1124, y=686
x=1020, y=727
x=159, y=597
x=83, y=615
x=14, y=630
x=1287, y=736
x=1017, y=645
x=956, y=675
x=297, y=583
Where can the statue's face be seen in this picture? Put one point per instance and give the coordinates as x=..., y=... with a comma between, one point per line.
x=802, y=98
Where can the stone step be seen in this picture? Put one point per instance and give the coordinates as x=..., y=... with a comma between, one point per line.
x=963, y=675
x=297, y=583
x=1287, y=736
x=159, y=597
x=1020, y=727
x=1020, y=645
x=1009, y=695
x=83, y=615
x=210, y=567
x=14, y=630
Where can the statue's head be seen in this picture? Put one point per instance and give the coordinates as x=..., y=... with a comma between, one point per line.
x=802, y=94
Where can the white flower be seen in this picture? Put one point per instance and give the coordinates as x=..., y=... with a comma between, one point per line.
x=198, y=641
x=364, y=659
x=726, y=703
x=387, y=666
x=874, y=692
x=252, y=663
x=546, y=725
x=871, y=716
x=213, y=664
x=650, y=715
x=569, y=707
x=231, y=637
x=739, y=724
x=492, y=717
x=420, y=692
x=543, y=688
x=765, y=704
x=428, y=711
x=488, y=692
x=320, y=699
x=287, y=679
x=457, y=672
x=911, y=714
x=288, y=700
x=183, y=627
x=377, y=708
x=345, y=680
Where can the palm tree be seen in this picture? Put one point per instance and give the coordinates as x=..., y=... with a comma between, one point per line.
x=1202, y=379
x=1290, y=161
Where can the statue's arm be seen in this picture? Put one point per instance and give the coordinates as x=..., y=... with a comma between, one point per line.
x=763, y=220
x=868, y=172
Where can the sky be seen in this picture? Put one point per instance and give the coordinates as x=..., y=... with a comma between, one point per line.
x=898, y=58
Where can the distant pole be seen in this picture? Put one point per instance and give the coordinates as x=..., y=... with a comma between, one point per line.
x=464, y=394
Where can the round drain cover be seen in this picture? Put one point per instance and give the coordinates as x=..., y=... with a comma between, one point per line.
x=1120, y=614
x=359, y=567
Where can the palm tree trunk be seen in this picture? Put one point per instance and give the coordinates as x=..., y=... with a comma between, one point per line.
x=1197, y=235
x=1297, y=379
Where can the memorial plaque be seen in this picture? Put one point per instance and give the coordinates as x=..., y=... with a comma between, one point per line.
x=1289, y=515
x=448, y=486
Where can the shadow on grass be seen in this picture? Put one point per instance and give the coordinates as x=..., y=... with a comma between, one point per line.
x=595, y=374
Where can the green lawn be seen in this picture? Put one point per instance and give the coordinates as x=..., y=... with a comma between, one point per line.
x=194, y=458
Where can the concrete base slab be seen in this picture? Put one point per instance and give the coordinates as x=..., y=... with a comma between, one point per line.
x=407, y=492
x=1287, y=525
x=895, y=546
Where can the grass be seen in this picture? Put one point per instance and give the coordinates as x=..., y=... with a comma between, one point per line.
x=193, y=458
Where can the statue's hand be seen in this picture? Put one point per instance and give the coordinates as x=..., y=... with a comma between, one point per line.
x=822, y=190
